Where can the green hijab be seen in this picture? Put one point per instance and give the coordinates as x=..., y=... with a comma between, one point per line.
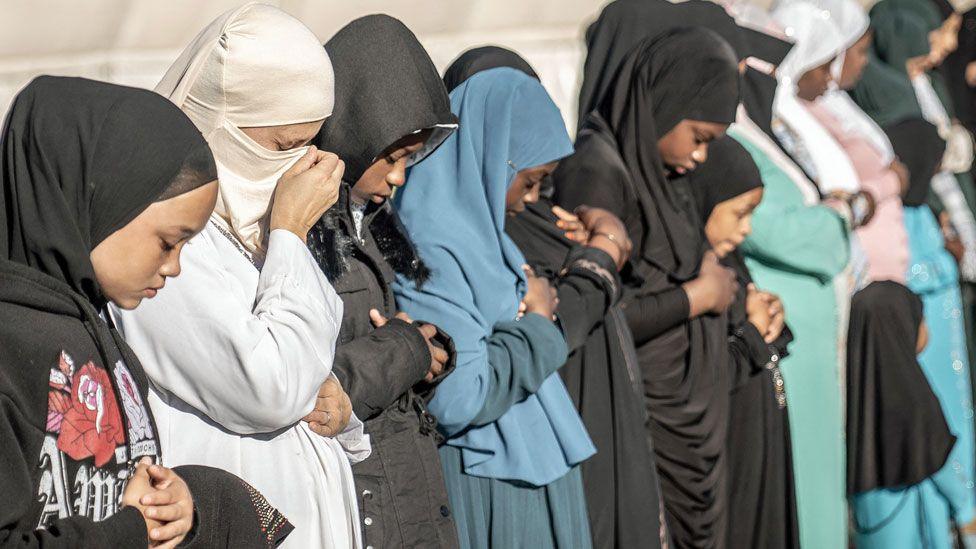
x=885, y=94
x=901, y=32
x=901, y=29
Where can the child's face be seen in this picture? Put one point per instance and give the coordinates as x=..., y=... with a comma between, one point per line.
x=685, y=146
x=731, y=221
x=134, y=262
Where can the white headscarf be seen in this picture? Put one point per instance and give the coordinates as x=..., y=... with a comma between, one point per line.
x=853, y=22
x=818, y=40
x=252, y=66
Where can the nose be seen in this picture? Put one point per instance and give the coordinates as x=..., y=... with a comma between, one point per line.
x=398, y=175
x=171, y=267
x=700, y=155
x=745, y=230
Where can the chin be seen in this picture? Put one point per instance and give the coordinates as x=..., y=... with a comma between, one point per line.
x=127, y=303
x=724, y=249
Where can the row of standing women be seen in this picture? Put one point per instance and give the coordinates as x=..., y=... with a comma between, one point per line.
x=534, y=343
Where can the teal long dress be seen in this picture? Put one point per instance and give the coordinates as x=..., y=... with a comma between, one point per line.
x=493, y=513
x=919, y=516
x=796, y=250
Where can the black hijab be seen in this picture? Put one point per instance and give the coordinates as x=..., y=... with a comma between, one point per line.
x=654, y=91
x=625, y=23
x=386, y=88
x=728, y=173
x=896, y=433
x=480, y=59
x=81, y=159
x=918, y=145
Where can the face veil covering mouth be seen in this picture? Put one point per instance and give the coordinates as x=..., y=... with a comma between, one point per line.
x=253, y=66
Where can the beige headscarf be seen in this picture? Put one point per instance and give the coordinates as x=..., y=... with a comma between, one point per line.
x=252, y=66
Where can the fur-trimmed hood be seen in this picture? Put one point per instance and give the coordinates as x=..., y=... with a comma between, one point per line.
x=332, y=243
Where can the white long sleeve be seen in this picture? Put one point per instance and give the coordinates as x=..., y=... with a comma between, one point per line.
x=250, y=369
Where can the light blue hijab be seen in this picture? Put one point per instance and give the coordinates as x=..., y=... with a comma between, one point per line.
x=454, y=210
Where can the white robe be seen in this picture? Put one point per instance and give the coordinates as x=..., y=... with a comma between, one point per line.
x=236, y=357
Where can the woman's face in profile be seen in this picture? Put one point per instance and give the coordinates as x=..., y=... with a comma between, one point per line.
x=814, y=82
x=134, y=262
x=525, y=186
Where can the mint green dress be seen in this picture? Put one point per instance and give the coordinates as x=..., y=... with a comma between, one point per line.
x=795, y=251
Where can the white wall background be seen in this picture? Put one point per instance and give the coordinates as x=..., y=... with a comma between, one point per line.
x=133, y=42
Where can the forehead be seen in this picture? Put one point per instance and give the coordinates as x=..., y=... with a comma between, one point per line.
x=713, y=129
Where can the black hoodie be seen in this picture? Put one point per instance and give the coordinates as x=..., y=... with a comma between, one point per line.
x=64, y=391
x=386, y=88
x=80, y=160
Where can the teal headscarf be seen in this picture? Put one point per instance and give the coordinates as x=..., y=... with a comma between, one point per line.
x=925, y=10
x=454, y=210
x=899, y=33
x=884, y=92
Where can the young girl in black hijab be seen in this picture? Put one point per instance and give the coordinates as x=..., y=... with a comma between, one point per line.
x=762, y=508
x=601, y=373
x=657, y=100
x=101, y=187
x=897, y=435
x=391, y=112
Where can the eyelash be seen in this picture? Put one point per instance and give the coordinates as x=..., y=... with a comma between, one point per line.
x=166, y=246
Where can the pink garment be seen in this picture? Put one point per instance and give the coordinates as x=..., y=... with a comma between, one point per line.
x=884, y=239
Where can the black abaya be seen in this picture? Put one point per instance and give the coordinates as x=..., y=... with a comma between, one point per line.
x=683, y=362
x=762, y=509
x=602, y=377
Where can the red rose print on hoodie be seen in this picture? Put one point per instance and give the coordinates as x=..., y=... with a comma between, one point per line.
x=92, y=425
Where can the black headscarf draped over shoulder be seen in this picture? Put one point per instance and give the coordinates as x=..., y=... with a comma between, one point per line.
x=480, y=59
x=728, y=173
x=625, y=23
x=81, y=159
x=386, y=88
x=688, y=73
x=918, y=145
x=896, y=433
